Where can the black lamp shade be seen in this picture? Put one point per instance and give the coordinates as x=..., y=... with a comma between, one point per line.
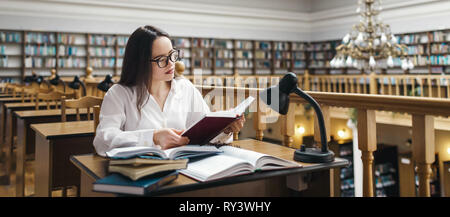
x=75, y=84
x=105, y=84
x=55, y=80
x=281, y=93
x=39, y=79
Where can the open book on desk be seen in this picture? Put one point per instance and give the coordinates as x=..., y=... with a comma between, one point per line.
x=214, y=123
x=232, y=162
x=187, y=151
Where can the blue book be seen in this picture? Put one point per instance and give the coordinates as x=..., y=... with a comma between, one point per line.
x=119, y=184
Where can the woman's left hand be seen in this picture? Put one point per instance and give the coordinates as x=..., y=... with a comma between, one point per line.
x=236, y=126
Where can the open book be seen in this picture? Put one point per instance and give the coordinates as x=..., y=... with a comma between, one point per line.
x=232, y=162
x=187, y=151
x=214, y=123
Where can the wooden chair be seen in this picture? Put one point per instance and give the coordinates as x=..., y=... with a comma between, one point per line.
x=96, y=117
x=84, y=102
x=31, y=93
x=53, y=96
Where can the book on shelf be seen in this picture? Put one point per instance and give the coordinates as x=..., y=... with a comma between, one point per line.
x=234, y=161
x=214, y=123
x=138, y=167
x=119, y=184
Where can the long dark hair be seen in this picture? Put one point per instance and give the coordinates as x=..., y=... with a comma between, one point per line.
x=136, y=68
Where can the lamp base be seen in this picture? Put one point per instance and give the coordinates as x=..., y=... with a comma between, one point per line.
x=313, y=155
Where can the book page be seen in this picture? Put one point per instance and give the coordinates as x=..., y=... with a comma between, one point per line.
x=127, y=152
x=217, y=166
x=190, y=151
x=247, y=155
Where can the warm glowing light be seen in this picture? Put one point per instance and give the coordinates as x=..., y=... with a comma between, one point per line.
x=341, y=133
x=448, y=150
x=300, y=130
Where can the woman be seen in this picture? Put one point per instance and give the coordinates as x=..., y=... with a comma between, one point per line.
x=149, y=107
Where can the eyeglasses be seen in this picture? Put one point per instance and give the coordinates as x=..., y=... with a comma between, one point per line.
x=162, y=61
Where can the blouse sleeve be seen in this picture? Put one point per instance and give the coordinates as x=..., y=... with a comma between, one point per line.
x=198, y=109
x=110, y=133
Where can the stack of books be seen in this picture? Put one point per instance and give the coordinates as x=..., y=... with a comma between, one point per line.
x=141, y=170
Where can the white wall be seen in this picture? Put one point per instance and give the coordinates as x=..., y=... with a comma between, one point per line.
x=295, y=20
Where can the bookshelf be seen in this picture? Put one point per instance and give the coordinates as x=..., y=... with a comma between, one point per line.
x=11, y=53
x=70, y=53
x=386, y=171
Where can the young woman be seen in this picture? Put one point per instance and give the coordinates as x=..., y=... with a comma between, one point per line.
x=149, y=107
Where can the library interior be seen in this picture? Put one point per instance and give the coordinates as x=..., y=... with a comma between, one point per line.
x=363, y=93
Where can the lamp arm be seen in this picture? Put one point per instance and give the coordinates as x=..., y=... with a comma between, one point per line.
x=318, y=110
x=64, y=85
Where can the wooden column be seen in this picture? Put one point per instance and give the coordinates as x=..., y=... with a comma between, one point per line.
x=367, y=143
x=258, y=123
x=306, y=81
x=373, y=83
x=288, y=126
x=423, y=150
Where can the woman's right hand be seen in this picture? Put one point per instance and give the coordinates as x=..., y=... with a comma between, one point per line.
x=169, y=138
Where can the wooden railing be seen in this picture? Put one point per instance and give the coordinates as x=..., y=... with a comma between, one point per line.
x=422, y=110
x=437, y=86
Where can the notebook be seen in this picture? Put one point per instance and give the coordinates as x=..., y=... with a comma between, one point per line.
x=187, y=151
x=214, y=123
x=234, y=161
x=119, y=184
x=138, y=167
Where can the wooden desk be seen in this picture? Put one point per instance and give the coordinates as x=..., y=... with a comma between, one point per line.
x=26, y=136
x=268, y=183
x=3, y=113
x=55, y=143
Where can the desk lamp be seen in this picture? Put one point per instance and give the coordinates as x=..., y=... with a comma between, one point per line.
x=287, y=85
x=75, y=84
x=105, y=84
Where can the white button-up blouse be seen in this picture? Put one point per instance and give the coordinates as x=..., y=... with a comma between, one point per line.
x=121, y=125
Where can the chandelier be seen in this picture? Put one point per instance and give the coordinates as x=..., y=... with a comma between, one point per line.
x=370, y=44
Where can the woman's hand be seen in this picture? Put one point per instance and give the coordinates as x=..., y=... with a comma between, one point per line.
x=169, y=138
x=236, y=126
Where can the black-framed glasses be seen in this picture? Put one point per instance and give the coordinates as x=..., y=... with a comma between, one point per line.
x=162, y=61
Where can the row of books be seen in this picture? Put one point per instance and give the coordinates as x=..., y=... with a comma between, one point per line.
x=69, y=50
x=244, y=44
x=282, y=54
x=282, y=64
x=264, y=64
x=40, y=62
x=102, y=40
x=102, y=62
x=318, y=64
x=244, y=63
x=440, y=60
x=41, y=38
x=442, y=48
x=224, y=53
x=224, y=63
x=206, y=63
x=181, y=42
x=417, y=49
x=439, y=36
x=102, y=51
x=66, y=39
x=122, y=40
x=412, y=38
x=40, y=50
x=281, y=46
x=223, y=44
x=263, y=45
x=299, y=55
x=299, y=64
x=3, y=61
x=319, y=46
x=71, y=62
x=202, y=53
x=10, y=37
x=244, y=54
x=263, y=55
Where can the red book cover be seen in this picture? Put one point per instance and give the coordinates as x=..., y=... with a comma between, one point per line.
x=206, y=129
x=211, y=125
